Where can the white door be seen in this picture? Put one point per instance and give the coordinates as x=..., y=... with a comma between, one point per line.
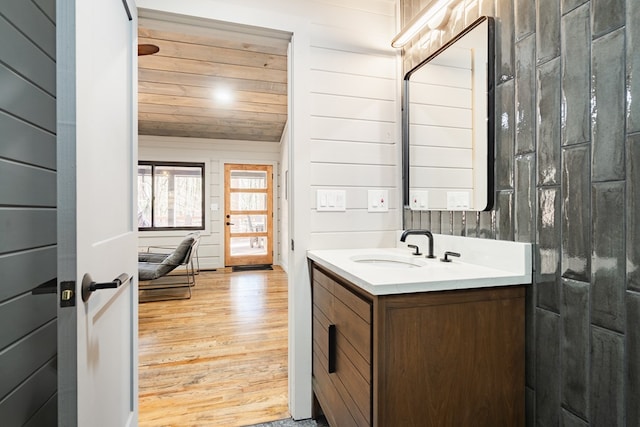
x=97, y=143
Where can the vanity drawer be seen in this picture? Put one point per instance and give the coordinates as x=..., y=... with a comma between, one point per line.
x=344, y=389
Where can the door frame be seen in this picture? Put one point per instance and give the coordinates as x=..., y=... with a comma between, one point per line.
x=300, y=78
x=276, y=168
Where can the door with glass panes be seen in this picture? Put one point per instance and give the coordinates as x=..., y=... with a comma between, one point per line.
x=248, y=214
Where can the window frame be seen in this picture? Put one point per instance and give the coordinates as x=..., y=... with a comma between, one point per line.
x=161, y=163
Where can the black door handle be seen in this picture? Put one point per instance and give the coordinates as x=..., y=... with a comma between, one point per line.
x=89, y=286
x=230, y=223
x=48, y=287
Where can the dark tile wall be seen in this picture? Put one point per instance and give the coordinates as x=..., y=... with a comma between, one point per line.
x=567, y=174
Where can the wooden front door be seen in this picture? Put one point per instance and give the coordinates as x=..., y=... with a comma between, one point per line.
x=248, y=205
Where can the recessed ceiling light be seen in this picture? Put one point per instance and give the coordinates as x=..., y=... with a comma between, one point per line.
x=223, y=95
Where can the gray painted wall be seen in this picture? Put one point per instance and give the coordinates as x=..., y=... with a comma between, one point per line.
x=28, y=375
x=568, y=179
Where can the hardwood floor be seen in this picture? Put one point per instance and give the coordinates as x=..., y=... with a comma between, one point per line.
x=219, y=358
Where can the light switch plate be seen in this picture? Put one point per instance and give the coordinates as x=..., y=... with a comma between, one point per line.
x=331, y=201
x=457, y=200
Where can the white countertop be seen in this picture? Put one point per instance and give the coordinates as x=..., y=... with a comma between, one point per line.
x=483, y=263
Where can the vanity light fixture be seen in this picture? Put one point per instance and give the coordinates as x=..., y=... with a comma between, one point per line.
x=434, y=16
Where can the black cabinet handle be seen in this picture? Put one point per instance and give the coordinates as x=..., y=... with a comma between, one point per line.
x=332, y=349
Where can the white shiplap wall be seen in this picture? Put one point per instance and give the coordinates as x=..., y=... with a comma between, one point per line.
x=214, y=153
x=354, y=132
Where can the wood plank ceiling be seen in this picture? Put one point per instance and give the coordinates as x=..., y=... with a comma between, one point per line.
x=212, y=81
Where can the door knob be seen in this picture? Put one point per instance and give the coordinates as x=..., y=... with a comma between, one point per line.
x=230, y=223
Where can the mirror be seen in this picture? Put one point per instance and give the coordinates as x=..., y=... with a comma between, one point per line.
x=448, y=125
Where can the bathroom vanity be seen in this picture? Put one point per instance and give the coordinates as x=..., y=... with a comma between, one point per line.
x=425, y=351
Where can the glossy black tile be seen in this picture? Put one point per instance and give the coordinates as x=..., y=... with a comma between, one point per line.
x=487, y=224
x=570, y=420
x=547, y=368
x=471, y=223
x=458, y=226
x=525, y=92
x=633, y=67
x=576, y=213
x=525, y=18
x=436, y=224
x=608, y=15
x=505, y=40
x=548, y=125
x=569, y=5
x=446, y=222
x=548, y=248
x=609, y=258
x=576, y=76
x=425, y=220
x=575, y=346
x=633, y=212
x=505, y=132
x=633, y=356
x=547, y=30
x=607, y=378
x=608, y=107
x=530, y=407
x=504, y=215
x=408, y=221
x=525, y=198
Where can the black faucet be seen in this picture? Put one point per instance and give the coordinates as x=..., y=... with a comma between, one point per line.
x=424, y=232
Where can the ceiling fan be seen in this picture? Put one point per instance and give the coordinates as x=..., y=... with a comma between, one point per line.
x=147, y=49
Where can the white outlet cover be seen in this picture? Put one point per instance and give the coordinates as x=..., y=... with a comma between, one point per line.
x=378, y=201
x=419, y=200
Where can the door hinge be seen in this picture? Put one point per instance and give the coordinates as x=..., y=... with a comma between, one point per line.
x=292, y=244
x=67, y=294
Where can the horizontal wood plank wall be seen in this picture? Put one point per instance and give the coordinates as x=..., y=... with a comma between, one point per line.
x=354, y=123
x=28, y=348
x=212, y=153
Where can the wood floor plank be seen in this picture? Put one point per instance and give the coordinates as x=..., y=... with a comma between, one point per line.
x=219, y=358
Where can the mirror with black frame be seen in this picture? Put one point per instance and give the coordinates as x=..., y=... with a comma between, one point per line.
x=448, y=125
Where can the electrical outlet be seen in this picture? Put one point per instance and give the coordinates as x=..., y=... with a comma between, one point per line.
x=419, y=200
x=378, y=201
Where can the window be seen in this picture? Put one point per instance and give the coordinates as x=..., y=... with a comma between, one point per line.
x=170, y=196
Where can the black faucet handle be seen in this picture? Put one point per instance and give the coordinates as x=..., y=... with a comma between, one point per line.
x=447, y=254
x=417, y=249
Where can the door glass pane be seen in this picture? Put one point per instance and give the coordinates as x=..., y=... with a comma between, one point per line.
x=248, y=179
x=248, y=201
x=248, y=223
x=242, y=246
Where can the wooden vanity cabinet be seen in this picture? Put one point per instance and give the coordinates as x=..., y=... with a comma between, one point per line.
x=446, y=358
